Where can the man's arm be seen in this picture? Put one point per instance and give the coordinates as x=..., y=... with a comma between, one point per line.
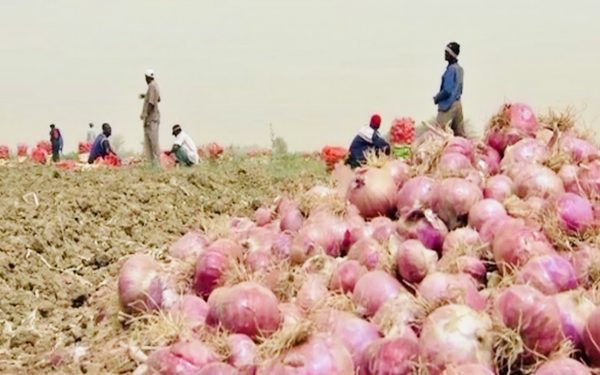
x=448, y=86
x=381, y=144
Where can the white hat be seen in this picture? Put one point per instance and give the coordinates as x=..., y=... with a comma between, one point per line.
x=150, y=73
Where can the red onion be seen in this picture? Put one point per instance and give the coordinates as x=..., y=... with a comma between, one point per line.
x=429, y=229
x=368, y=253
x=468, y=370
x=575, y=213
x=460, y=145
x=189, y=246
x=140, y=285
x=472, y=266
x=589, y=177
x=228, y=247
x=459, y=239
x=373, y=289
x=247, y=308
x=591, y=337
x=192, y=309
x=534, y=315
x=455, y=335
x=316, y=236
x=580, y=150
x=320, y=355
x=487, y=160
x=453, y=198
x=263, y=216
x=584, y=260
x=291, y=314
x=562, y=366
x=414, y=261
x=416, y=194
x=391, y=356
x=550, y=274
x=381, y=228
x=354, y=333
x=217, y=368
x=259, y=261
x=453, y=162
x=443, y=287
x=238, y=226
x=528, y=150
x=491, y=228
x=523, y=118
x=515, y=244
x=397, y=314
x=483, y=211
x=537, y=180
x=399, y=170
x=312, y=291
x=346, y=275
x=373, y=191
x=497, y=140
x=282, y=245
x=568, y=173
x=181, y=358
x=210, y=268
x=291, y=220
x=243, y=351
x=284, y=205
x=575, y=309
x=498, y=187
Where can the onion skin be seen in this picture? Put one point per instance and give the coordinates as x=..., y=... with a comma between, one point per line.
x=580, y=150
x=591, y=338
x=498, y=187
x=462, y=146
x=528, y=150
x=192, y=309
x=550, y=274
x=414, y=261
x=460, y=238
x=468, y=370
x=373, y=192
x=416, y=194
x=346, y=275
x=396, y=315
x=320, y=355
x=263, y=216
x=453, y=162
x=373, y=289
x=391, y=356
x=217, y=368
x=247, y=308
x=399, y=170
x=312, y=291
x=575, y=213
x=181, y=358
x=243, y=352
x=534, y=315
x=483, y=211
x=575, y=309
x=189, y=246
x=210, y=267
x=487, y=160
x=455, y=335
x=140, y=285
x=563, y=366
x=368, y=252
x=453, y=198
x=537, y=180
x=291, y=220
x=443, y=287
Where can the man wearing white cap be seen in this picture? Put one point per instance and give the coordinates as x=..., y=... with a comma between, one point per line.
x=448, y=98
x=151, y=118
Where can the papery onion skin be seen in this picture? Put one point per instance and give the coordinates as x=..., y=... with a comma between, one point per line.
x=346, y=275
x=182, y=358
x=563, y=366
x=395, y=355
x=591, y=337
x=575, y=213
x=415, y=194
x=498, y=187
x=414, y=261
x=373, y=289
x=550, y=274
x=140, y=285
x=483, y=211
x=453, y=198
x=472, y=369
x=575, y=309
x=373, y=192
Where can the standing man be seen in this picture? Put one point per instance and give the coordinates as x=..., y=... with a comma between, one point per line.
x=151, y=118
x=56, y=140
x=91, y=134
x=101, y=146
x=184, y=149
x=367, y=139
x=448, y=99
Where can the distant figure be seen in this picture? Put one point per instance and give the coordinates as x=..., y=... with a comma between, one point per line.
x=184, y=148
x=367, y=139
x=91, y=134
x=448, y=99
x=151, y=118
x=101, y=146
x=56, y=140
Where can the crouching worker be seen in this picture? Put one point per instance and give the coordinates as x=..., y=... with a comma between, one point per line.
x=101, y=146
x=368, y=139
x=183, y=149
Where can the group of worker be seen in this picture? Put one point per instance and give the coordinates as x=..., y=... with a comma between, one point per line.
x=183, y=150
x=185, y=153
x=448, y=103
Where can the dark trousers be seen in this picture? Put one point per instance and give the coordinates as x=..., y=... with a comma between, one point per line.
x=55, y=153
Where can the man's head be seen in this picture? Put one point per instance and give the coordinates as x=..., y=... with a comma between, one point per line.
x=375, y=122
x=52, y=126
x=91, y=125
x=106, y=129
x=452, y=51
x=149, y=75
x=176, y=130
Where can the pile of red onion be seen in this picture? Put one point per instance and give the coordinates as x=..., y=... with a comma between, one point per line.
x=404, y=273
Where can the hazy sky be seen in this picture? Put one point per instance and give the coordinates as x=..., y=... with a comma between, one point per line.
x=315, y=69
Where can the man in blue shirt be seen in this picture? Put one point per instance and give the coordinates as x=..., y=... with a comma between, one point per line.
x=367, y=139
x=101, y=147
x=448, y=98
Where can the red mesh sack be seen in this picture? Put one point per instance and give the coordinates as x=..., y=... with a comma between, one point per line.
x=45, y=145
x=39, y=155
x=333, y=155
x=22, y=150
x=4, y=153
x=402, y=131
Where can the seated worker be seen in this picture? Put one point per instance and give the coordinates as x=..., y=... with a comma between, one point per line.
x=184, y=149
x=367, y=139
x=101, y=146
